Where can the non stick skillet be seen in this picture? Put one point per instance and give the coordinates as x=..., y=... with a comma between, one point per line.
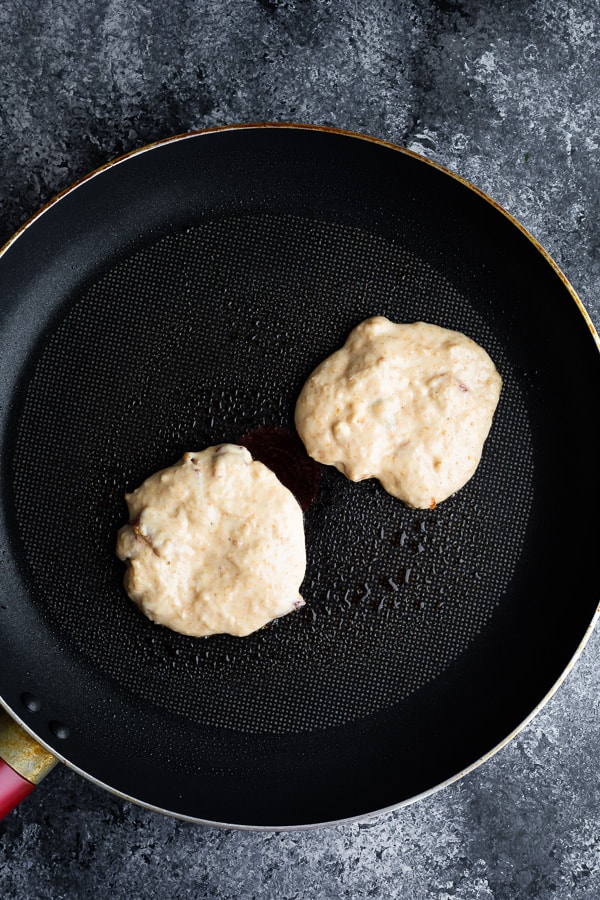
x=179, y=297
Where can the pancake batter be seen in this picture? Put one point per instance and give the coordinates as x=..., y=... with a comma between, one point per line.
x=215, y=544
x=408, y=404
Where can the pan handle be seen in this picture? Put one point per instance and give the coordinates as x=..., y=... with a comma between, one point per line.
x=23, y=763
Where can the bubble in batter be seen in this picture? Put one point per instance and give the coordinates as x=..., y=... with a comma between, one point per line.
x=215, y=544
x=408, y=404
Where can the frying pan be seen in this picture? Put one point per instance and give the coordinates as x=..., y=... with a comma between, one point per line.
x=179, y=297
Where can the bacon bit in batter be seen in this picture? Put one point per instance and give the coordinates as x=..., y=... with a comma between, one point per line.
x=137, y=530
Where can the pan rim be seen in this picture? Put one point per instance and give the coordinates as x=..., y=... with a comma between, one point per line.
x=582, y=310
x=362, y=817
x=324, y=129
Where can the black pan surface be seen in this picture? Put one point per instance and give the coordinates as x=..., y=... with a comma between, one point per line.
x=179, y=298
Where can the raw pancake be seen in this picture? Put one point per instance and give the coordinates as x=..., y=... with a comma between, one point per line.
x=409, y=404
x=215, y=544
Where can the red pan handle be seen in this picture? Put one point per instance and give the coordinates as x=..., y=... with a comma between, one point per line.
x=23, y=763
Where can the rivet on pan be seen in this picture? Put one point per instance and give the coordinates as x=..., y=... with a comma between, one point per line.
x=59, y=730
x=30, y=702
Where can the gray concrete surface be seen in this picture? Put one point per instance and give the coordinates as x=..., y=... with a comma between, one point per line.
x=504, y=93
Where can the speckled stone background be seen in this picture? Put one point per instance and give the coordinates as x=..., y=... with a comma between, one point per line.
x=507, y=95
